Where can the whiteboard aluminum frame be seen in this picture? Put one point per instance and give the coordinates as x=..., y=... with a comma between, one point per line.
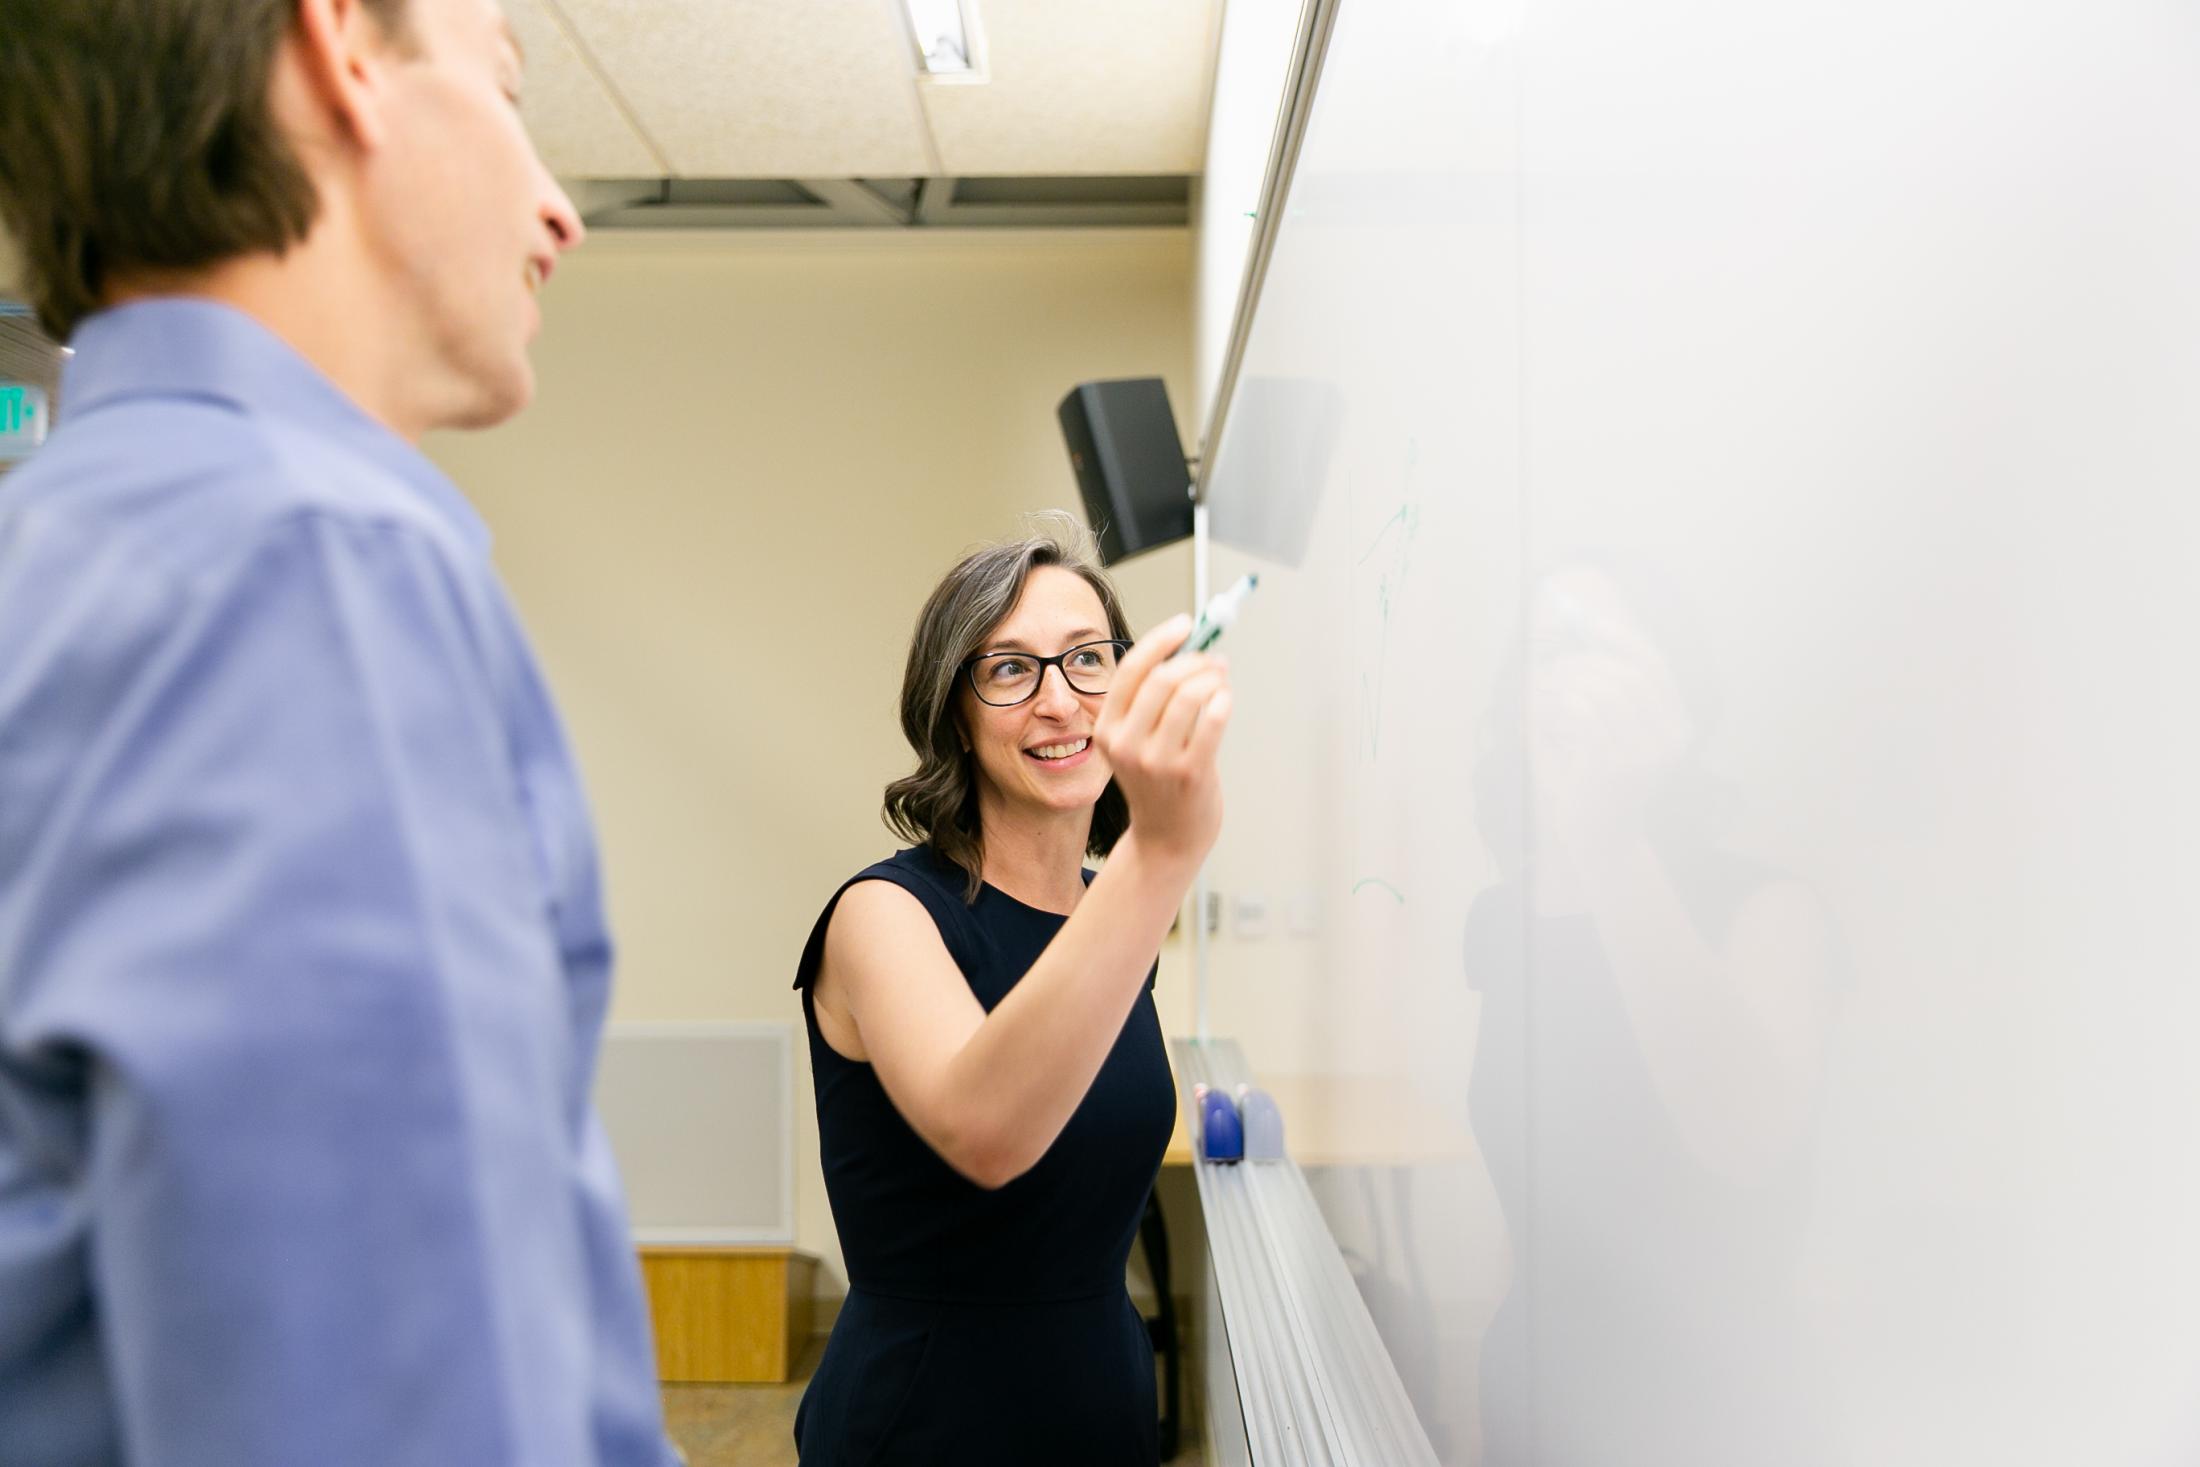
x=783, y=1052
x=1309, y=48
x=1317, y=18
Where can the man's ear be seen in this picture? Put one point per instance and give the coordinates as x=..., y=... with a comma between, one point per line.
x=346, y=56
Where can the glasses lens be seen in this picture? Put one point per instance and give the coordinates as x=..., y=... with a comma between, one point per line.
x=1004, y=678
x=1091, y=668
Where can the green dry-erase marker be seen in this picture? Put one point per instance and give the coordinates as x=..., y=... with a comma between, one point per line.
x=1216, y=619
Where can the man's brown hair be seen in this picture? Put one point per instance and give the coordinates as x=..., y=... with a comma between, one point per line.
x=139, y=135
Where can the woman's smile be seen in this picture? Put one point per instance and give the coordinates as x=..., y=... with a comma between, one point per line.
x=1067, y=754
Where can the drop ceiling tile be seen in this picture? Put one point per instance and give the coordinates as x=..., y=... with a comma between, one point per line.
x=577, y=126
x=1115, y=87
x=765, y=88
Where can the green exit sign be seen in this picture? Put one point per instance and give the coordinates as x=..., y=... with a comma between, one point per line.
x=23, y=417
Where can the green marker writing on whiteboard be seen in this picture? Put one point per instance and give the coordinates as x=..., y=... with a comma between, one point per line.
x=1221, y=611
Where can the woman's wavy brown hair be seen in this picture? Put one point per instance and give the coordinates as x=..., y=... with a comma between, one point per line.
x=938, y=804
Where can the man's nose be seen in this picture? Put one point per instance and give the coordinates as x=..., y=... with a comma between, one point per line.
x=563, y=220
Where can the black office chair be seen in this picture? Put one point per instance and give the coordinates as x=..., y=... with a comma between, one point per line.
x=1153, y=1239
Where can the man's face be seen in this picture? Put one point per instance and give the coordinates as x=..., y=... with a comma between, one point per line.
x=463, y=215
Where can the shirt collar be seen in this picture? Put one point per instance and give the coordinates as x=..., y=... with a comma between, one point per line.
x=177, y=346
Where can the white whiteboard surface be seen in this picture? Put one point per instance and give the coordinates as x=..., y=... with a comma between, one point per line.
x=1717, y=734
x=701, y=1120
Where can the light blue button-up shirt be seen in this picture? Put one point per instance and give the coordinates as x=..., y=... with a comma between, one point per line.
x=302, y=955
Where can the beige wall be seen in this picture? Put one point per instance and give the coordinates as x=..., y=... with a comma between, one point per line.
x=750, y=458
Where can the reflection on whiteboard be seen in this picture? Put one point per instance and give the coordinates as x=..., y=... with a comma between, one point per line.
x=1381, y=574
x=1280, y=433
x=1727, y=692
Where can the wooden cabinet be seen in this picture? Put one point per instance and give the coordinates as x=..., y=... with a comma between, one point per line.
x=728, y=1314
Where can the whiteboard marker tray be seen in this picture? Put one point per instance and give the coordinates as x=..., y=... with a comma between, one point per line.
x=1314, y=1383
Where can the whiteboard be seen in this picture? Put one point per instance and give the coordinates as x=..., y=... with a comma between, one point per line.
x=1714, y=765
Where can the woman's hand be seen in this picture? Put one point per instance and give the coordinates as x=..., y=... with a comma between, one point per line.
x=1162, y=723
x=1608, y=727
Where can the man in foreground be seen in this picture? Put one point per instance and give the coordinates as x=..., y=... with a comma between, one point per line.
x=302, y=958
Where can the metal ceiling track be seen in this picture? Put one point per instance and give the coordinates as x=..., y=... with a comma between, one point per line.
x=1092, y=202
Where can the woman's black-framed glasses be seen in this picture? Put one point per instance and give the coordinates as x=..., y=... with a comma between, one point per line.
x=1004, y=679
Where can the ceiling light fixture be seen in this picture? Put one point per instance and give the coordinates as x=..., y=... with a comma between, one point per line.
x=945, y=32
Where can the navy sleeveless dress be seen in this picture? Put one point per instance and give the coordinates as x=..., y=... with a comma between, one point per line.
x=985, y=1327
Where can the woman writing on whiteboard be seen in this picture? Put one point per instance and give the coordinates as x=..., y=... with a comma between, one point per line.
x=993, y=1097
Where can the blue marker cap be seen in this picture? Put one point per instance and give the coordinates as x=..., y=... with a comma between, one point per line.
x=1262, y=1122
x=1221, y=1138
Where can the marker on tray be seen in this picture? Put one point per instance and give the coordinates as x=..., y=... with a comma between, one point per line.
x=1262, y=1124
x=1220, y=1137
